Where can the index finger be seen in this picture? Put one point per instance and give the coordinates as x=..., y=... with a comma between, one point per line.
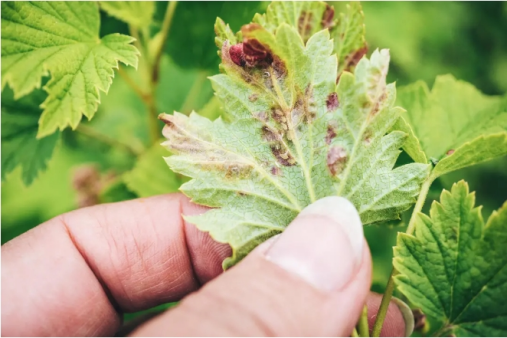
x=76, y=273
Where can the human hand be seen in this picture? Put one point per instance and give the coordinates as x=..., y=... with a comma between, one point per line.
x=76, y=274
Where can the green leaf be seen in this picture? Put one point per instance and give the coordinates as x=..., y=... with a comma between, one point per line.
x=309, y=17
x=150, y=177
x=480, y=149
x=61, y=39
x=116, y=191
x=135, y=13
x=455, y=267
x=292, y=137
x=349, y=40
x=453, y=123
x=19, y=130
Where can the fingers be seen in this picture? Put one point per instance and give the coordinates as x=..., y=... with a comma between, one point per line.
x=73, y=274
x=399, y=321
x=312, y=280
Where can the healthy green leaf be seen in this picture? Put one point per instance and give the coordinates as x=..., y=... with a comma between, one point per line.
x=452, y=124
x=149, y=176
x=136, y=13
x=455, y=268
x=309, y=17
x=61, y=39
x=292, y=137
x=19, y=130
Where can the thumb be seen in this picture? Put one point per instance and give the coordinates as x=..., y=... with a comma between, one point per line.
x=312, y=280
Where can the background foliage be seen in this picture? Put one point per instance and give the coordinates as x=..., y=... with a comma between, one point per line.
x=97, y=163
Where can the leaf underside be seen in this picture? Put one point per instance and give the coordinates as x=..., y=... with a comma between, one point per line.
x=455, y=267
x=292, y=136
x=454, y=124
x=61, y=39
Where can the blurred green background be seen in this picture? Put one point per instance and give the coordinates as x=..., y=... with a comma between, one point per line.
x=466, y=39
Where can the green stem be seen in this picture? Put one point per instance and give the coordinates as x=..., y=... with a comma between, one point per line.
x=128, y=80
x=193, y=93
x=92, y=133
x=388, y=294
x=364, y=330
x=153, y=75
x=354, y=333
x=166, y=25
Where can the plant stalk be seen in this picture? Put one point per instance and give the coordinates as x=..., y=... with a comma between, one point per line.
x=193, y=92
x=388, y=294
x=363, y=329
x=92, y=133
x=132, y=84
x=166, y=25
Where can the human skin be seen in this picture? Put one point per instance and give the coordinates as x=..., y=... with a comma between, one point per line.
x=76, y=274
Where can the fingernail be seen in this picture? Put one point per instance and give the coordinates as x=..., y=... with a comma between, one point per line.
x=408, y=315
x=323, y=245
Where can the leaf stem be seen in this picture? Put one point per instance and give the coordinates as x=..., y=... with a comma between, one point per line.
x=166, y=25
x=354, y=333
x=153, y=69
x=92, y=133
x=364, y=330
x=193, y=92
x=132, y=84
x=388, y=294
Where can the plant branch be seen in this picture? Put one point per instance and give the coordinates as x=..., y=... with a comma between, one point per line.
x=193, y=92
x=388, y=294
x=132, y=84
x=362, y=326
x=92, y=133
x=166, y=25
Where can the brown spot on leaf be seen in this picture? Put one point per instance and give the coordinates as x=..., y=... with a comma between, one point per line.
x=331, y=134
x=282, y=155
x=236, y=54
x=253, y=97
x=278, y=66
x=236, y=170
x=327, y=17
x=256, y=54
x=261, y=116
x=336, y=159
x=270, y=135
x=376, y=107
x=165, y=118
x=450, y=152
x=241, y=193
x=275, y=171
x=332, y=102
x=305, y=24
x=353, y=58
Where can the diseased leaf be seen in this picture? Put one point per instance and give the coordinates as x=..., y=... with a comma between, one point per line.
x=349, y=37
x=453, y=122
x=292, y=137
x=61, y=39
x=136, y=13
x=309, y=17
x=20, y=146
x=455, y=267
x=149, y=176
